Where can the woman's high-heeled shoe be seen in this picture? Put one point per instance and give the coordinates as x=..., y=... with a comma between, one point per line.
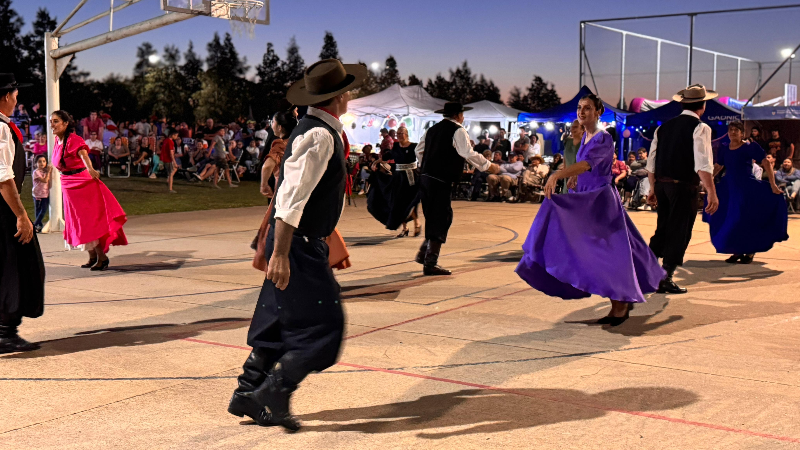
x=102, y=265
x=733, y=259
x=91, y=263
x=747, y=259
x=403, y=233
x=417, y=231
x=614, y=321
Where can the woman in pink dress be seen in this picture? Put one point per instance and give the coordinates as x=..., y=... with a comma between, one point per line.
x=93, y=217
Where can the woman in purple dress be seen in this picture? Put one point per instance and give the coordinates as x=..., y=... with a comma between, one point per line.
x=583, y=242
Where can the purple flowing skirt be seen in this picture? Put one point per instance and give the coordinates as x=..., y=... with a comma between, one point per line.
x=584, y=243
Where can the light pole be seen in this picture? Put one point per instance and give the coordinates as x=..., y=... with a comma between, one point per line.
x=787, y=53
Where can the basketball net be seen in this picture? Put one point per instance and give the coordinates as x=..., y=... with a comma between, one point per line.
x=242, y=14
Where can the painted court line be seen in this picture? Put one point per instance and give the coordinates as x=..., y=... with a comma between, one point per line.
x=693, y=423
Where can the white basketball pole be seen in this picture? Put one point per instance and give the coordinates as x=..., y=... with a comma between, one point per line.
x=51, y=76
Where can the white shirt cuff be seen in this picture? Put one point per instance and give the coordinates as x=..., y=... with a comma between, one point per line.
x=6, y=173
x=289, y=216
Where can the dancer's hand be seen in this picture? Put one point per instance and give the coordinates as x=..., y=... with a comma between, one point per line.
x=24, y=229
x=278, y=271
x=572, y=183
x=550, y=186
x=651, y=198
x=266, y=190
x=713, y=203
x=93, y=173
x=776, y=189
x=494, y=169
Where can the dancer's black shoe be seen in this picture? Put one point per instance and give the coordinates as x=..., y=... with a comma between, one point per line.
x=617, y=321
x=747, y=259
x=668, y=286
x=254, y=372
x=432, y=266
x=274, y=394
x=245, y=405
x=733, y=259
x=90, y=264
x=100, y=266
x=610, y=319
x=420, y=259
x=10, y=342
x=403, y=233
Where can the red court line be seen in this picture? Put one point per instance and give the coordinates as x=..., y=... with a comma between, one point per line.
x=433, y=314
x=540, y=397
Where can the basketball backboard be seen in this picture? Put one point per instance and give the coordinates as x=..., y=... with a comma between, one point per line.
x=254, y=12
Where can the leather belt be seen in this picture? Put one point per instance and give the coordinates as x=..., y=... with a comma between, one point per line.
x=409, y=170
x=72, y=172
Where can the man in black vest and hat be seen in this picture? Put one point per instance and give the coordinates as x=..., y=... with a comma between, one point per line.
x=680, y=158
x=298, y=323
x=21, y=264
x=443, y=149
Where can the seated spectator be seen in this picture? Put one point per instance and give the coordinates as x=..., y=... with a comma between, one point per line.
x=535, y=149
x=40, y=147
x=509, y=172
x=119, y=152
x=146, y=151
x=95, y=150
x=788, y=178
x=532, y=178
x=386, y=143
x=478, y=177
x=523, y=144
x=482, y=145
x=557, y=163
x=501, y=144
x=248, y=162
x=22, y=119
x=620, y=171
x=637, y=185
x=93, y=124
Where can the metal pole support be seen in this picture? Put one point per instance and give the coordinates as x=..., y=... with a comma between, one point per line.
x=51, y=76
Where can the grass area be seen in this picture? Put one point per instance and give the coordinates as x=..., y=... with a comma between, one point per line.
x=139, y=196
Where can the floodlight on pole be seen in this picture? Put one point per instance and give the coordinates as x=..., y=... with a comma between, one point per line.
x=375, y=66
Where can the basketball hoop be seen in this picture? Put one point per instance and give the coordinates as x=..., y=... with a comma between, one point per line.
x=243, y=14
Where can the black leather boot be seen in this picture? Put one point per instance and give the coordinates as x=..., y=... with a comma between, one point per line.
x=431, y=266
x=254, y=372
x=10, y=342
x=420, y=259
x=668, y=285
x=274, y=394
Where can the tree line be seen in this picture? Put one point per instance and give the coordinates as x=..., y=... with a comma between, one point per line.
x=185, y=87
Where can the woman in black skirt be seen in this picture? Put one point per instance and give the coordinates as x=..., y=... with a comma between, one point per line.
x=393, y=200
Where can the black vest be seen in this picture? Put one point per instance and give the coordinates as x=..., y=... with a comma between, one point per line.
x=675, y=149
x=440, y=158
x=324, y=207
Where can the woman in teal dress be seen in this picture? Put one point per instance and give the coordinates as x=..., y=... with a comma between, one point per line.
x=752, y=214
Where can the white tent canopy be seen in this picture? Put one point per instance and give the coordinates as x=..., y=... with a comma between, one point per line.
x=410, y=104
x=486, y=111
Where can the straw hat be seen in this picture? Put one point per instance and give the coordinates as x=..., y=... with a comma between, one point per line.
x=694, y=93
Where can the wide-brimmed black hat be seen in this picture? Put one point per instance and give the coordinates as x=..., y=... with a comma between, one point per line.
x=7, y=81
x=324, y=80
x=451, y=108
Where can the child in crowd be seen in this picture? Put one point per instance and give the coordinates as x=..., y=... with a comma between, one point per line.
x=41, y=190
x=168, y=157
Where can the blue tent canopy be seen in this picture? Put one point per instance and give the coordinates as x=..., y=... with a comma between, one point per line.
x=716, y=115
x=567, y=112
x=771, y=112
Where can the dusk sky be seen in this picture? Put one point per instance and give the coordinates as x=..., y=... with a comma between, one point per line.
x=508, y=41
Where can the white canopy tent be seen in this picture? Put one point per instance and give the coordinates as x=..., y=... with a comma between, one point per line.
x=486, y=111
x=411, y=105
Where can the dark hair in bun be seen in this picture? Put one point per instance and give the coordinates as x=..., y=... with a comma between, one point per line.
x=596, y=101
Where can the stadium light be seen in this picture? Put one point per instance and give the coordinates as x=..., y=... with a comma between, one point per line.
x=786, y=52
x=549, y=126
x=493, y=130
x=476, y=129
x=375, y=66
x=154, y=59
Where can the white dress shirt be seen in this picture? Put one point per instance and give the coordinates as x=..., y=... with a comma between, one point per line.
x=302, y=171
x=95, y=144
x=533, y=150
x=703, y=153
x=7, y=150
x=463, y=147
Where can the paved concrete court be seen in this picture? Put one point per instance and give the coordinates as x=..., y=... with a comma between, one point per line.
x=145, y=356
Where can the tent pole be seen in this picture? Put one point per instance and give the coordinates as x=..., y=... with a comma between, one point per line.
x=622, y=76
x=714, y=84
x=738, y=77
x=691, y=47
x=658, y=70
x=580, y=55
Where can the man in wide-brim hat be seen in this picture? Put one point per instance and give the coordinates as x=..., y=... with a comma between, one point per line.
x=298, y=323
x=21, y=264
x=442, y=150
x=680, y=158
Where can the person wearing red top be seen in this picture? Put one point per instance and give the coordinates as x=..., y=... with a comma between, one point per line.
x=619, y=170
x=168, y=157
x=93, y=124
x=386, y=143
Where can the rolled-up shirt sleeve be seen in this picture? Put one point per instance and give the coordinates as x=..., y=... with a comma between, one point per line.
x=703, y=153
x=464, y=149
x=301, y=173
x=420, y=149
x=7, y=149
x=651, y=158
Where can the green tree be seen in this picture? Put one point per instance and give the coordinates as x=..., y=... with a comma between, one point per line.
x=217, y=99
x=542, y=95
x=413, y=81
x=11, y=42
x=172, y=55
x=164, y=93
x=271, y=83
x=33, y=54
x=191, y=69
x=223, y=59
x=484, y=89
x=330, y=49
x=390, y=75
x=143, y=64
x=439, y=87
x=517, y=100
x=293, y=66
x=462, y=82
x=368, y=87
x=116, y=96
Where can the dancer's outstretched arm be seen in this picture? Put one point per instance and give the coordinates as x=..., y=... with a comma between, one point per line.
x=571, y=171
